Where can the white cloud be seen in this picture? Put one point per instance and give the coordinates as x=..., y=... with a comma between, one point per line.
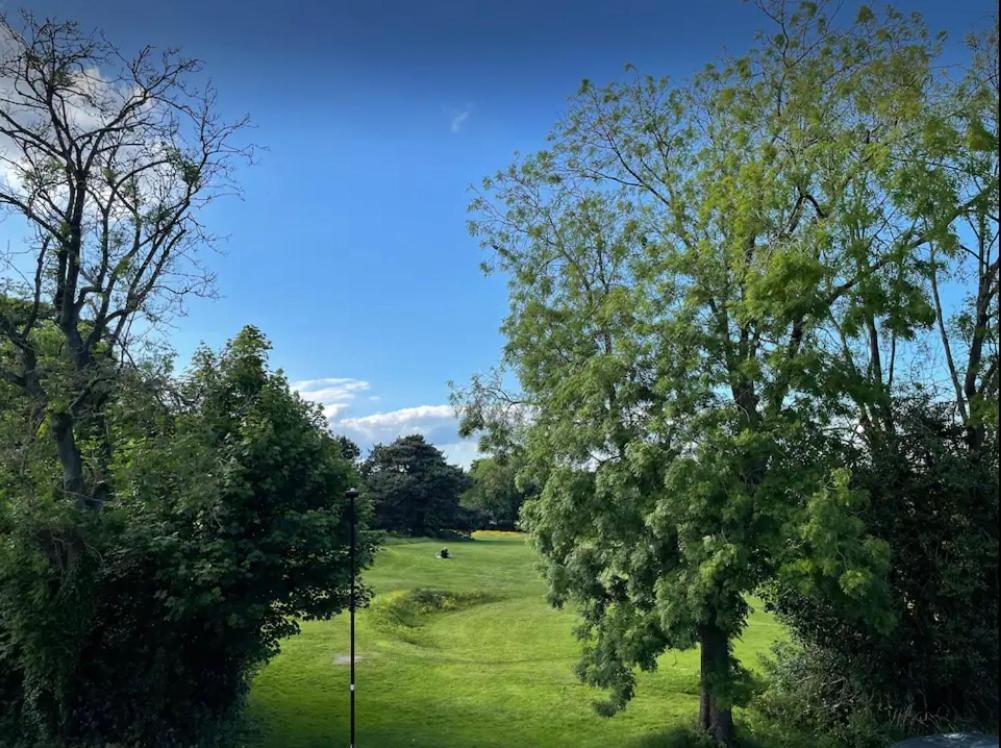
x=428, y=420
x=335, y=394
x=439, y=424
x=91, y=101
x=461, y=453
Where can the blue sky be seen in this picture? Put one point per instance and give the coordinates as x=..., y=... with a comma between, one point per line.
x=349, y=247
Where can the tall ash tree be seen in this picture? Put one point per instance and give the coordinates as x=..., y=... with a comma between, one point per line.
x=963, y=258
x=704, y=280
x=107, y=161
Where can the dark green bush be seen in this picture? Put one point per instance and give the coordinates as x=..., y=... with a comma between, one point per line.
x=144, y=623
x=809, y=693
x=934, y=500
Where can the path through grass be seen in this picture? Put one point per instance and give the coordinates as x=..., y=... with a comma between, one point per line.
x=490, y=665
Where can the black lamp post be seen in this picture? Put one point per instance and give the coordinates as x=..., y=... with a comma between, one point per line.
x=351, y=494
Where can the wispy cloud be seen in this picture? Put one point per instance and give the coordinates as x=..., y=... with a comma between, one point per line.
x=335, y=394
x=459, y=120
x=459, y=117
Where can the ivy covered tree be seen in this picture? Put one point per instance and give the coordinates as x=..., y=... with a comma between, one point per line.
x=710, y=286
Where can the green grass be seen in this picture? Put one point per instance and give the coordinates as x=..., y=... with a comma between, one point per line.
x=465, y=652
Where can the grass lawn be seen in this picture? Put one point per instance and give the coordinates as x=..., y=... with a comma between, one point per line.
x=495, y=668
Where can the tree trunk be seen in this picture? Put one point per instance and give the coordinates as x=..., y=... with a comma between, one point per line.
x=101, y=486
x=70, y=459
x=714, y=719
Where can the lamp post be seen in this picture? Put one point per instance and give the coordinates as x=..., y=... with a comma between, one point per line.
x=352, y=494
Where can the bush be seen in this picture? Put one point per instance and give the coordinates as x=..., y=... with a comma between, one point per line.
x=934, y=501
x=143, y=624
x=808, y=692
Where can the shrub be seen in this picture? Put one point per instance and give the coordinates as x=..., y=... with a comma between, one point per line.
x=143, y=624
x=934, y=501
x=807, y=692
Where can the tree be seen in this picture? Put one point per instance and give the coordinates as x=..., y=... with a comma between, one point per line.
x=928, y=456
x=108, y=162
x=963, y=140
x=412, y=488
x=690, y=268
x=349, y=450
x=228, y=526
x=495, y=490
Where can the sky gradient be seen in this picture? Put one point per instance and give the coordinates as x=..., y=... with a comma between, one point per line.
x=349, y=246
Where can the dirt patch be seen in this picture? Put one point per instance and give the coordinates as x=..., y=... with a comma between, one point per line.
x=345, y=659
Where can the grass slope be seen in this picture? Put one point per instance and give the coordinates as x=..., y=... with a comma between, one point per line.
x=488, y=664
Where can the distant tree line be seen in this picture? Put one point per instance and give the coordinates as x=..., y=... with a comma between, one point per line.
x=413, y=490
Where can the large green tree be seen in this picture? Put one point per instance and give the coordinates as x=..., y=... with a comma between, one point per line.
x=412, y=487
x=705, y=281
x=143, y=624
x=496, y=491
x=927, y=454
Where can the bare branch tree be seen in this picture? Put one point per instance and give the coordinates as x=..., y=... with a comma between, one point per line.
x=109, y=161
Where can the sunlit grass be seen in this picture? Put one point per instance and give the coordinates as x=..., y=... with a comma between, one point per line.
x=489, y=664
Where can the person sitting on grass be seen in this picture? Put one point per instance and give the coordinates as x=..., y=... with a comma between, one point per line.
x=443, y=553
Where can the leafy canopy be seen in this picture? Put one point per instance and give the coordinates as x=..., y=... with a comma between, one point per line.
x=226, y=522
x=412, y=488
x=703, y=283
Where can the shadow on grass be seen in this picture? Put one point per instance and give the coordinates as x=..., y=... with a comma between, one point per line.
x=689, y=737
x=676, y=737
x=386, y=538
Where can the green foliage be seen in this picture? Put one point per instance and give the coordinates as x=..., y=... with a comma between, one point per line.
x=710, y=288
x=413, y=489
x=495, y=491
x=143, y=623
x=808, y=691
x=349, y=450
x=935, y=504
